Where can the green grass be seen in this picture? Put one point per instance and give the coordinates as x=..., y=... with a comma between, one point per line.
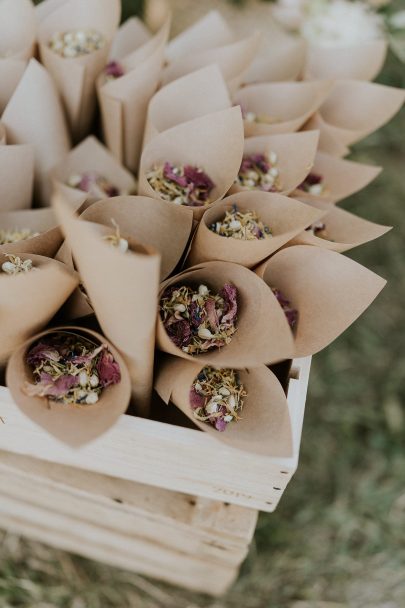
x=339, y=532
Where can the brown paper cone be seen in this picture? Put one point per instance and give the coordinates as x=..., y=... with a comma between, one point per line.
x=11, y=71
x=277, y=61
x=211, y=31
x=16, y=162
x=328, y=141
x=358, y=62
x=284, y=216
x=90, y=156
x=75, y=78
x=192, y=96
x=78, y=305
x=150, y=221
x=329, y=290
x=130, y=36
x=290, y=103
x=42, y=221
x=124, y=101
x=265, y=425
x=45, y=8
x=3, y=135
x=342, y=178
x=263, y=334
x=355, y=109
x=123, y=292
x=345, y=231
x=43, y=126
x=29, y=301
x=213, y=142
x=295, y=156
x=17, y=29
x=70, y=424
x=233, y=59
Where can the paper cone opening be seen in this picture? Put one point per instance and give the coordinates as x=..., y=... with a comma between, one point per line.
x=277, y=61
x=41, y=221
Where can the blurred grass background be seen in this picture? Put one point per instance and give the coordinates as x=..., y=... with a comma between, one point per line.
x=338, y=537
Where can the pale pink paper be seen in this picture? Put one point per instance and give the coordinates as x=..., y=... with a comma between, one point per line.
x=328, y=141
x=17, y=29
x=16, y=177
x=131, y=35
x=11, y=71
x=277, y=60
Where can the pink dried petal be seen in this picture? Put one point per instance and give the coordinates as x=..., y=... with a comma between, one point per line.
x=212, y=314
x=80, y=359
x=42, y=352
x=47, y=387
x=179, y=333
x=198, y=178
x=168, y=173
x=196, y=400
x=108, y=370
x=114, y=69
x=229, y=293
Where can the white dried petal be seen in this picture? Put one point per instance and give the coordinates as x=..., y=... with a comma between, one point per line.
x=179, y=307
x=94, y=381
x=203, y=290
x=123, y=245
x=211, y=407
x=8, y=267
x=83, y=378
x=224, y=391
x=273, y=157
x=235, y=225
x=91, y=398
x=228, y=418
x=316, y=189
x=204, y=333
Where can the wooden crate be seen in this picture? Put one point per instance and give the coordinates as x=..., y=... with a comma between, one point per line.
x=169, y=456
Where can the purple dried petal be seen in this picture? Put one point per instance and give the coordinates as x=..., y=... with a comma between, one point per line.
x=59, y=387
x=290, y=312
x=108, y=370
x=220, y=424
x=179, y=333
x=198, y=178
x=312, y=179
x=168, y=173
x=196, y=400
x=42, y=352
x=114, y=69
x=80, y=359
x=212, y=314
x=229, y=294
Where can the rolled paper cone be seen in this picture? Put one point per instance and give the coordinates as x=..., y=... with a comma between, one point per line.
x=131, y=35
x=16, y=177
x=30, y=300
x=295, y=157
x=17, y=29
x=71, y=424
x=45, y=8
x=233, y=59
x=277, y=61
x=192, y=96
x=284, y=216
x=92, y=156
x=264, y=427
x=11, y=71
x=289, y=104
x=150, y=221
x=263, y=335
x=357, y=62
x=123, y=291
x=342, y=178
x=213, y=142
x=43, y=126
x=354, y=109
x=328, y=290
x=124, y=101
x=41, y=221
x=328, y=141
x=344, y=231
x=78, y=304
x=76, y=199
x=211, y=31
x=75, y=78
x=3, y=135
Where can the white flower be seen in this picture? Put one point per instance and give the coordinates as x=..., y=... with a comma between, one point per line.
x=342, y=23
x=290, y=13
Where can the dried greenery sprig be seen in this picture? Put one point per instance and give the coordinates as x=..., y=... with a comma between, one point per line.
x=182, y=185
x=216, y=397
x=8, y=236
x=197, y=320
x=290, y=312
x=313, y=184
x=94, y=184
x=16, y=265
x=260, y=171
x=242, y=225
x=75, y=43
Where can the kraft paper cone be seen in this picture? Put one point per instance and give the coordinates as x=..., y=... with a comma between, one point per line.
x=290, y=104
x=277, y=61
x=16, y=177
x=284, y=216
x=43, y=126
x=70, y=424
x=358, y=62
x=213, y=142
x=3, y=135
x=194, y=95
x=344, y=230
x=17, y=29
x=150, y=221
x=78, y=305
x=328, y=141
x=45, y=8
x=233, y=59
x=75, y=78
x=124, y=101
x=131, y=35
x=42, y=221
x=211, y=31
x=29, y=301
x=329, y=290
x=11, y=71
x=342, y=178
x=354, y=109
x=263, y=334
x=295, y=156
x=91, y=156
x=123, y=291
x=265, y=425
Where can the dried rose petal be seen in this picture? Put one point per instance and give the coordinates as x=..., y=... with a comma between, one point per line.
x=108, y=370
x=229, y=294
x=196, y=400
x=168, y=173
x=114, y=70
x=42, y=352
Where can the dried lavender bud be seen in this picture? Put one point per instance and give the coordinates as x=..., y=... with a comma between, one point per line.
x=186, y=185
x=290, y=312
x=245, y=226
x=113, y=70
x=16, y=265
x=70, y=369
x=8, y=236
x=260, y=171
x=75, y=43
x=216, y=397
x=319, y=229
x=197, y=320
x=313, y=184
x=95, y=184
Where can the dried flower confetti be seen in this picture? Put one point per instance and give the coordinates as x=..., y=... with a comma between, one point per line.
x=70, y=369
x=263, y=119
x=290, y=312
x=197, y=320
x=115, y=240
x=75, y=43
x=259, y=171
x=216, y=397
x=94, y=184
x=16, y=265
x=8, y=236
x=186, y=185
x=319, y=229
x=113, y=70
x=313, y=184
x=245, y=226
